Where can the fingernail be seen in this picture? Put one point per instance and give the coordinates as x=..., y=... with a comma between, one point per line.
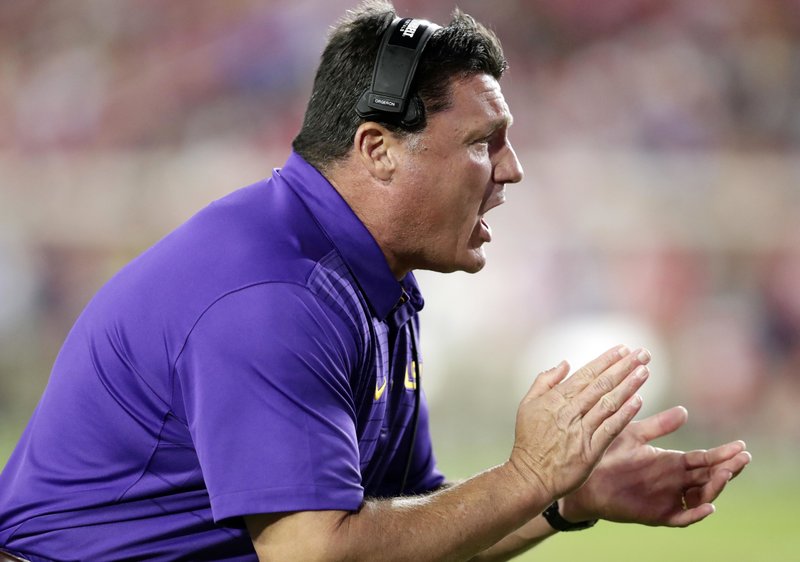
x=623, y=351
x=641, y=372
x=643, y=356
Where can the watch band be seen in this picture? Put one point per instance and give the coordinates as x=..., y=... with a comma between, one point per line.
x=557, y=522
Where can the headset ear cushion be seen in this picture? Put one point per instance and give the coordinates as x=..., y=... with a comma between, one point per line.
x=415, y=112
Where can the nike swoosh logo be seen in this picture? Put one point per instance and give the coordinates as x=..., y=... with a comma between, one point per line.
x=379, y=390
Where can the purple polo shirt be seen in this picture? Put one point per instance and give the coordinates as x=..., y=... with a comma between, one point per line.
x=257, y=359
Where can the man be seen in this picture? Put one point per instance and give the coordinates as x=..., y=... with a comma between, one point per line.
x=249, y=387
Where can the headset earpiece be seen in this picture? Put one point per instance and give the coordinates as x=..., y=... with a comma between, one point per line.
x=388, y=97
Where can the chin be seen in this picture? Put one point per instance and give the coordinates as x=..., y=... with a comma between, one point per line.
x=472, y=267
x=476, y=262
x=473, y=262
x=475, y=268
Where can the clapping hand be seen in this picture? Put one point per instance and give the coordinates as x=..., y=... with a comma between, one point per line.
x=636, y=482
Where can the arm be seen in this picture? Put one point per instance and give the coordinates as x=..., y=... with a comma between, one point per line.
x=563, y=428
x=451, y=524
x=523, y=539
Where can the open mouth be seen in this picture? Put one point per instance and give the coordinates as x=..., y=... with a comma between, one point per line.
x=485, y=231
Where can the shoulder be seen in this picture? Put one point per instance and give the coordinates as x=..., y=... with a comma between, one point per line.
x=274, y=318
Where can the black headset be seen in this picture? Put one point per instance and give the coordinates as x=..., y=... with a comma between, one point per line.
x=388, y=97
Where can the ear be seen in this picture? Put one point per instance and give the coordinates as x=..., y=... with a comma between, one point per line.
x=376, y=148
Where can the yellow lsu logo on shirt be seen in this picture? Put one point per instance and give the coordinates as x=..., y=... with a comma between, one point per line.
x=409, y=381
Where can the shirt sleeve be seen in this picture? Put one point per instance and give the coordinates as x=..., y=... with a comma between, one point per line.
x=265, y=382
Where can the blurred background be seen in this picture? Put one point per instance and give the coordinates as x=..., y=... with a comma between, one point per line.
x=660, y=207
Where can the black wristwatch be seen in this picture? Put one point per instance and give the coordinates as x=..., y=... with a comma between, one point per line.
x=558, y=523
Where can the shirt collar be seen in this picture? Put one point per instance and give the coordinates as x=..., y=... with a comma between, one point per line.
x=355, y=244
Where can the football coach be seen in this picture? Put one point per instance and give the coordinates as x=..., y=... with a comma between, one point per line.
x=249, y=387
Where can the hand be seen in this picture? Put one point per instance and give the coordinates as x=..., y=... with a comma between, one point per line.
x=564, y=426
x=638, y=483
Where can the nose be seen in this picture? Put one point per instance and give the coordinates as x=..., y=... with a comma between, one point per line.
x=508, y=169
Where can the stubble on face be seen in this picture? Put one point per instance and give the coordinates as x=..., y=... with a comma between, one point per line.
x=448, y=170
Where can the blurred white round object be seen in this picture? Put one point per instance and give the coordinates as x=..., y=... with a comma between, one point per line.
x=581, y=339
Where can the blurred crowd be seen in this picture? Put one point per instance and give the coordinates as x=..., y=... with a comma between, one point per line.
x=660, y=140
x=652, y=73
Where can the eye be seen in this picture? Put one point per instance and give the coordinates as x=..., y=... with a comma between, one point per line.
x=483, y=142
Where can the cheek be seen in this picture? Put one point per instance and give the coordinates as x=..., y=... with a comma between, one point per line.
x=455, y=190
x=464, y=204
x=474, y=186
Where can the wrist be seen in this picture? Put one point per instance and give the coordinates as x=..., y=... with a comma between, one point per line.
x=572, y=508
x=529, y=488
x=557, y=521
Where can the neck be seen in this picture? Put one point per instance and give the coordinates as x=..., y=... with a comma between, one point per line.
x=373, y=204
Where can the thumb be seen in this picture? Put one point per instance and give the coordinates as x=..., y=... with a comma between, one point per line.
x=548, y=379
x=660, y=424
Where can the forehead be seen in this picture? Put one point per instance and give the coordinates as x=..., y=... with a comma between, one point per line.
x=477, y=101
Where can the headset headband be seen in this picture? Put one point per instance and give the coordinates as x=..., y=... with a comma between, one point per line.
x=398, y=56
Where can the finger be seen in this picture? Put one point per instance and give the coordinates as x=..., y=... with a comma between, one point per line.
x=713, y=489
x=711, y=457
x=710, y=490
x=614, y=424
x=613, y=400
x=660, y=424
x=718, y=479
x=736, y=464
x=733, y=466
x=684, y=518
x=610, y=379
x=589, y=372
x=548, y=379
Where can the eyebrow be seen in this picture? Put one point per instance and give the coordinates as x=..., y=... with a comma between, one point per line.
x=490, y=128
x=505, y=121
x=495, y=125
